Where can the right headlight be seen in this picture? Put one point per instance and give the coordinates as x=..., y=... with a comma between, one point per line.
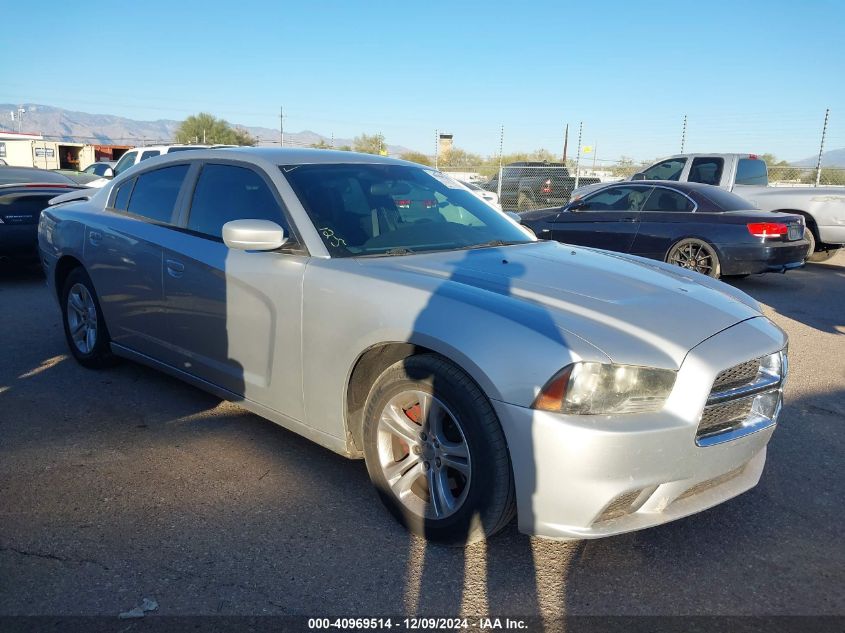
x=588, y=388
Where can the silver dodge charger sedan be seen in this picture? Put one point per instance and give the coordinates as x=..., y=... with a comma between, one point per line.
x=382, y=310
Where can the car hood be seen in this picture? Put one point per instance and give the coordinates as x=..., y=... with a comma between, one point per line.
x=636, y=311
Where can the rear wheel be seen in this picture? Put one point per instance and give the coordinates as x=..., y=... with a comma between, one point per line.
x=694, y=254
x=85, y=329
x=436, y=453
x=813, y=255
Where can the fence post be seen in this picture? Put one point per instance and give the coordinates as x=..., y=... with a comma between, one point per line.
x=499, y=185
x=821, y=148
x=578, y=156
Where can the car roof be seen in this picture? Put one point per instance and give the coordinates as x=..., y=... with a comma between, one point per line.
x=285, y=156
x=674, y=184
x=15, y=175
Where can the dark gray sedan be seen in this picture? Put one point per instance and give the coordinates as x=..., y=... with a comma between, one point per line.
x=695, y=226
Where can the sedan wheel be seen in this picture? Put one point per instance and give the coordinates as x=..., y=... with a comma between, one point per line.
x=436, y=453
x=82, y=318
x=85, y=329
x=697, y=255
x=423, y=454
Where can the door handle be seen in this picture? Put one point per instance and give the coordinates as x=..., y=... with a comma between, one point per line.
x=95, y=238
x=175, y=268
x=634, y=219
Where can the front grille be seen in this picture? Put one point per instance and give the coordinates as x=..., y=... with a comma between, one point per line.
x=737, y=376
x=737, y=400
x=719, y=417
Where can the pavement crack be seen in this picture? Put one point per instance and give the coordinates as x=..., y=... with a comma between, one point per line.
x=49, y=556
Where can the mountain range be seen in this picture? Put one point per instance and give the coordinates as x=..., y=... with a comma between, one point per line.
x=83, y=127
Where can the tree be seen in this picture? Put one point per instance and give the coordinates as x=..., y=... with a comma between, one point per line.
x=345, y=148
x=206, y=128
x=321, y=144
x=457, y=157
x=369, y=144
x=416, y=157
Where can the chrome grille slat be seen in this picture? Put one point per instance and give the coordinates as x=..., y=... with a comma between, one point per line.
x=723, y=416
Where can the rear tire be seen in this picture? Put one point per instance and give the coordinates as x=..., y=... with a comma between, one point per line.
x=85, y=329
x=436, y=453
x=813, y=255
x=695, y=254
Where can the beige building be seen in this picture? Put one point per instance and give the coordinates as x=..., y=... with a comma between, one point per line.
x=31, y=150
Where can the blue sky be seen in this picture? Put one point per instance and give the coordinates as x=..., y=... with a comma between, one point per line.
x=750, y=76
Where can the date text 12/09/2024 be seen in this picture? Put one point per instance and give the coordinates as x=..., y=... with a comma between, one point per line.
x=417, y=624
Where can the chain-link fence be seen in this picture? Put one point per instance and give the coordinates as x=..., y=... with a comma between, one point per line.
x=525, y=186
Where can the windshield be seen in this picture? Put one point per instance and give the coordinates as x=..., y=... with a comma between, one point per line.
x=361, y=209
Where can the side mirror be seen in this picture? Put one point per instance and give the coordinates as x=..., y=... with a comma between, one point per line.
x=253, y=235
x=578, y=205
x=108, y=172
x=514, y=216
x=638, y=176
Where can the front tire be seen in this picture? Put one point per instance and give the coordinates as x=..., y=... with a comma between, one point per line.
x=85, y=328
x=436, y=453
x=695, y=254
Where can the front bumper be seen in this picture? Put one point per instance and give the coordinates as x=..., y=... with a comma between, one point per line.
x=569, y=471
x=748, y=259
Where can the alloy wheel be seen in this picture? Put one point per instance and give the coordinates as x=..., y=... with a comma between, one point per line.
x=423, y=454
x=82, y=318
x=694, y=255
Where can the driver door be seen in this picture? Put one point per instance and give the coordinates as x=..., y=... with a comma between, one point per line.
x=607, y=219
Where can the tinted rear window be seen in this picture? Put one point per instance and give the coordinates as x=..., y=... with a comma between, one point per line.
x=725, y=200
x=155, y=192
x=751, y=171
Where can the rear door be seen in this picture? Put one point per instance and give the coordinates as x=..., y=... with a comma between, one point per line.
x=606, y=219
x=235, y=316
x=667, y=216
x=123, y=252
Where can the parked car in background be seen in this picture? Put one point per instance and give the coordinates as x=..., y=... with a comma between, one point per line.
x=139, y=154
x=101, y=169
x=24, y=191
x=699, y=227
x=479, y=372
x=488, y=196
x=823, y=208
x=79, y=177
x=529, y=185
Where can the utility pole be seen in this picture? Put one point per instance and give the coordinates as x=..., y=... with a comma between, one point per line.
x=436, y=147
x=821, y=147
x=281, y=126
x=595, y=152
x=203, y=136
x=565, y=142
x=578, y=154
x=332, y=140
x=684, y=134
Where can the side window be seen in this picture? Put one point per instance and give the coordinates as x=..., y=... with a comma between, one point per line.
x=616, y=199
x=706, y=170
x=667, y=200
x=121, y=198
x=751, y=171
x=666, y=170
x=149, y=154
x=227, y=192
x=126, y=161
x=155, y=193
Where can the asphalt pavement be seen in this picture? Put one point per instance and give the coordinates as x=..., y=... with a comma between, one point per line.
x=125, y=484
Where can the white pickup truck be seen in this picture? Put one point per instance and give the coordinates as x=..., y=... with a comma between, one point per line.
x=746, y=175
